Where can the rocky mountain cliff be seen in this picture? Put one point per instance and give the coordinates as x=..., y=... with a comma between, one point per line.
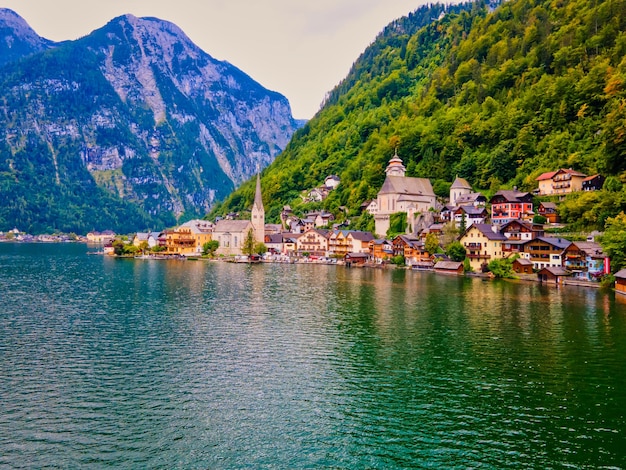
x=133, y=115
x=17, y=38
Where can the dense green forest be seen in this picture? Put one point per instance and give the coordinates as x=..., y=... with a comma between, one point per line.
x=494, y=96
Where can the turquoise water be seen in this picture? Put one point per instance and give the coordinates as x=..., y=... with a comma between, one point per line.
x=109, y=363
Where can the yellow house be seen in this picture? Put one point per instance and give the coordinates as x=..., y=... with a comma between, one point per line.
x=562, y=181
x=201, y=231
x=180, y=241
x=483, y=243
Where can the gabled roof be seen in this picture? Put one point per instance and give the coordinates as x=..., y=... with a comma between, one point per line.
x=448, y=265
x=274, y=238
x=511, y=195
x=561, y=243
x=142, y=236
x=471, y=210
x=232, y=226
x=589, y=178
x=546, y=176
x=460, y=183
x=362, y=236
x=590, y=248
x=621, y=274
x=557, y=271
x=470, y=198
x=407, y=185
x=487, y=231
x=548, y=205
x=523, y=262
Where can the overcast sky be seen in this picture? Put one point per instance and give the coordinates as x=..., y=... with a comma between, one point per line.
x=300, y=48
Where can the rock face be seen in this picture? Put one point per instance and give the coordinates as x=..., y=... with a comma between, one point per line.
x=138, y=109
x=17, y=39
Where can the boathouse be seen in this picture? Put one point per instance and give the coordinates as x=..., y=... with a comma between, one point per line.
x=553, y=275
x=620, y=282
x=449, y=267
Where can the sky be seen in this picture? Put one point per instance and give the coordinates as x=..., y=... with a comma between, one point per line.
x=299, y=48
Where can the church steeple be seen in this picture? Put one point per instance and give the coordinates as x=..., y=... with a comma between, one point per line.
x=395, y=166
x=258, y=213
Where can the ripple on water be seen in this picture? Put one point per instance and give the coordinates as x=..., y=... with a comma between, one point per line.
x=109, y=363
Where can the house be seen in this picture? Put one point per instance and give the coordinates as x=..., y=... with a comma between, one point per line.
x=620, y=282
x=332, y=181
x=316, y=195
x=400, y=193
x=482, y=242
x=97, y=237
x=319, y=218
x=549, y=211
x=140, y=237
x=370, y=206
x=553, y=275
x=231, y=235
x=380, y=250
x=522, y=266
x=586, y=261
x=201, y=231
x=180, y=241
x=562, y=181
x=545, y=252
x=508, y=205
x=449, y=267
x=518, y=232
x=412, y=248
x=352, y=259
x=593, y=183
x=274, y=242
x=471, y=214
x=358, y=241
x=314, y=242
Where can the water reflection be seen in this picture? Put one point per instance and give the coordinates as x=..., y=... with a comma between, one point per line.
x=114, y=363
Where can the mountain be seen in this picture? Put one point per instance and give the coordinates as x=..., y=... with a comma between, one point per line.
x=494, y=95
x=17, y=38
x=134, y=118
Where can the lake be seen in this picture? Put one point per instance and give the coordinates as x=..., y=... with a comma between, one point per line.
x=110, y=363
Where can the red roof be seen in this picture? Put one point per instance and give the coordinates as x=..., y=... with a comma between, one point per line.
x=546, y=176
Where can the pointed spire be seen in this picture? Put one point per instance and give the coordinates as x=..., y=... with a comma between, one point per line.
x=258, y=198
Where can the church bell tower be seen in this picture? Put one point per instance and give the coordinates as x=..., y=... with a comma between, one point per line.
x=258, y=213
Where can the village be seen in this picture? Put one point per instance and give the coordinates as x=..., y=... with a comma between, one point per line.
x=505, y=227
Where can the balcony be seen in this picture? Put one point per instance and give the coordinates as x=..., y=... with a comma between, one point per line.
x=478, y=256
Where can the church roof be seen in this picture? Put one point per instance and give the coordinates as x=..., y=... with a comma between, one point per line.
x=232, y=226
x=460, y=183
x=407, y=185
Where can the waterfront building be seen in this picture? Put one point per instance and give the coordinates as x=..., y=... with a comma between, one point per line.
x=180, y=241
x=313, y=241
x=231, y=235
x=586, y=261
x=620, y=282
x=482, y=242
x=545, y=252
x=381, y=249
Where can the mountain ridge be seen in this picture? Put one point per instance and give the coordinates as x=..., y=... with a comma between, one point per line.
x=139, y=110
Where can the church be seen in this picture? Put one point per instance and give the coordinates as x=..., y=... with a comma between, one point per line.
x=231, y=234
x=401, y=193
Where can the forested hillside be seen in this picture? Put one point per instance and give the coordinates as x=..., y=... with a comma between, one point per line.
x=495, y=97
